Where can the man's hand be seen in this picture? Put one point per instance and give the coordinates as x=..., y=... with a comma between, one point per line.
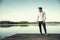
x=43, y=21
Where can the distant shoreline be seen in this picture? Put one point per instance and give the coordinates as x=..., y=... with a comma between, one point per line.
x=23, y=22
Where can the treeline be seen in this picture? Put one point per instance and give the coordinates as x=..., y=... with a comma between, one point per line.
x=10, y=22
x=22, y=22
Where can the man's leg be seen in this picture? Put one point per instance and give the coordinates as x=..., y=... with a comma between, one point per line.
x=44, y=26
x=40, y=27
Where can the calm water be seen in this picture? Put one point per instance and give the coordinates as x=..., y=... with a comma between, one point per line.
x=8, y=31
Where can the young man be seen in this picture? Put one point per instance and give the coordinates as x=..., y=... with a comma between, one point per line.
x=41, y=20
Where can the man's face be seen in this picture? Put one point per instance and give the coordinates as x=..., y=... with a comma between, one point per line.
x=40, y=10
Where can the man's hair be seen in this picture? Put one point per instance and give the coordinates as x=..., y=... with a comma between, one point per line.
x=40, y=8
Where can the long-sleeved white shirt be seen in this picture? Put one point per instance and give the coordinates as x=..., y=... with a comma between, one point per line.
x=41, y=16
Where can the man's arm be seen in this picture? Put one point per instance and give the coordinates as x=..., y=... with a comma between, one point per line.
x=37, y=18
x=44, y=16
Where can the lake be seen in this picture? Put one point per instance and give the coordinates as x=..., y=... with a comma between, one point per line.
x=31, y=29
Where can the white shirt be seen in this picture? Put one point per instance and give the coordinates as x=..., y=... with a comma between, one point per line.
x=41, y=16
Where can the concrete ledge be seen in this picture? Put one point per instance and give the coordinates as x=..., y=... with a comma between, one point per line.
x=33, y=37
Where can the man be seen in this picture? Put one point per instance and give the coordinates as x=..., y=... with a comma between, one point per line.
x=41, y=20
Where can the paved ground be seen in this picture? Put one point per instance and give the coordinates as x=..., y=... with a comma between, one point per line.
x=33, y=37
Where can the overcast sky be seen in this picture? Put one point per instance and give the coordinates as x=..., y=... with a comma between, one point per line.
x=26, y=10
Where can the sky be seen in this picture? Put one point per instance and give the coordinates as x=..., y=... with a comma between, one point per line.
x=27, y=10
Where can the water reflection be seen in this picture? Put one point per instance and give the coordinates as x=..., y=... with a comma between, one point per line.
x=26, y=25
x=5, y=26
x=11, y=25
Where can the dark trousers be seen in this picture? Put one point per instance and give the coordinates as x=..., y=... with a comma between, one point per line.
x=41, y=23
